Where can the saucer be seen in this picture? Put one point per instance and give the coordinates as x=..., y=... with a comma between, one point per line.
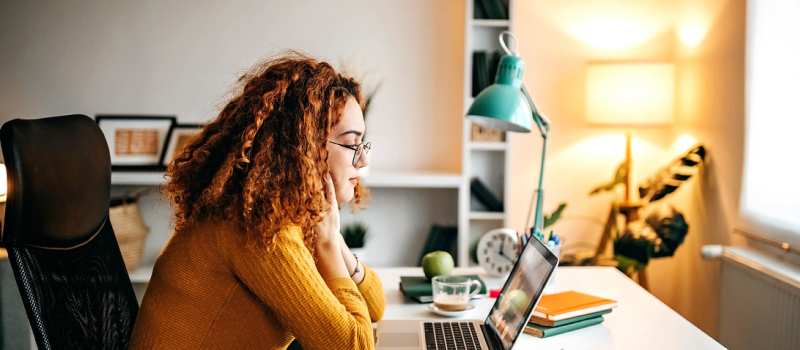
x=458, y=313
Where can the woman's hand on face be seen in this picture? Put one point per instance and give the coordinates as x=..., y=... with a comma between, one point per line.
x=328, y=228
x=330, y=263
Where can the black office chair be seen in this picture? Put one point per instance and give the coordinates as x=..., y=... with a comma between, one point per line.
x=61, y=246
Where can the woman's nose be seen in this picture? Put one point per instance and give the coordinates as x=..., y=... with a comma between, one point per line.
x=363, y=161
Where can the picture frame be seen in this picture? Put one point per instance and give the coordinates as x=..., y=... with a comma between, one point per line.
x=179, y=137
x=136, y=142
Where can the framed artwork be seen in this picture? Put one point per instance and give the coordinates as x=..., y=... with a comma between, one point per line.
x=136, y=142
x=179, y=137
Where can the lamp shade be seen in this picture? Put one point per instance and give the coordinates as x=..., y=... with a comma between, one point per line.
x=634, y=94
x=502, y=105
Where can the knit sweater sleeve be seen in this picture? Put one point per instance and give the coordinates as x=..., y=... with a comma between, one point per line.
x=372, y=291
x=321, y=314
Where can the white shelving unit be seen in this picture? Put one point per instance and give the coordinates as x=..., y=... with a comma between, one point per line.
x=489, y=146
x=378, y=179
x=142, y=178
x=434, y=191
x=488, y=161
x=487, y=215
x=501, y=23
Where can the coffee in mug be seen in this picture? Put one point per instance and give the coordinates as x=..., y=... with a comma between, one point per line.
x=451, y=293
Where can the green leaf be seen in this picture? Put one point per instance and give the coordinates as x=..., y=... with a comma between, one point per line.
x=551, y=219
x=619, y=179
x=667, y=179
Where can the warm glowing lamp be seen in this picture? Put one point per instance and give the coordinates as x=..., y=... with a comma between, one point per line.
x=630, y=95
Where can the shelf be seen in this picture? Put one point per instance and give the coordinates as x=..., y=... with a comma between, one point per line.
x=413, y=180
x=377, y=179
x=142, y=274
x=487, y=215
x=490, y=22
x=149, y=178
x=488, y=146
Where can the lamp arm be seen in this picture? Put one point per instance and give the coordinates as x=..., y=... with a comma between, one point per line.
x=541, y=121
x=538, y=220
x=544, y=129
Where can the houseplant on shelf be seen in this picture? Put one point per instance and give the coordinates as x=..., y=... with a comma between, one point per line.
x=355, y=236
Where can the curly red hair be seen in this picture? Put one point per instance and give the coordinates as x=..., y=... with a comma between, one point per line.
x=262, y=162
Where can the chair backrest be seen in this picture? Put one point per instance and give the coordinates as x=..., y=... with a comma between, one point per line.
x=61, y=246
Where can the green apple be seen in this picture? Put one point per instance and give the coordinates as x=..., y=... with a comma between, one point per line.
x=437, y=263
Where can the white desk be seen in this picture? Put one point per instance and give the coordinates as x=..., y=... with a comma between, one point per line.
x=640, y=321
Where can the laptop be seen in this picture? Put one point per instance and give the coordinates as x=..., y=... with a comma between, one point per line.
x=501, y=328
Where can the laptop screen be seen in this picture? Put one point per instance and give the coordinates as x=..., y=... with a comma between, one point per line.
x=522, y=290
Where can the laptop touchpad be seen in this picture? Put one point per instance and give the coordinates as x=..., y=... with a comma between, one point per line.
x=398, y=340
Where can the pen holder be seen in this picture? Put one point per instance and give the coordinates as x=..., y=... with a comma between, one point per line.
x=550, y=287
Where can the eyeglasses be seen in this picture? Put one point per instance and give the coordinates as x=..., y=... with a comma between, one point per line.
x=361, y=148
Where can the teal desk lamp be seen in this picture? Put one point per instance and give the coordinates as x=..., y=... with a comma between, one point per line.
x=507, y=105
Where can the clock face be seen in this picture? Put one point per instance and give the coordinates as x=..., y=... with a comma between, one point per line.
x=497, y=251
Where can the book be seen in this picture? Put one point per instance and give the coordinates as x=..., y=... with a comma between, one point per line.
x=480, y=13
x=560, y=306
x=548, y=323
x=485, y=196
x=478, y=64
x=429, y=299
x=493, y=64
x=544, y=331
x=500, y=9
x=482, y=64
x=430, y=243
x=420, y=289
x=490, y=9
x=440, y=238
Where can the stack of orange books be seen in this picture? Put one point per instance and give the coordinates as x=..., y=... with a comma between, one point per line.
x=563, y=312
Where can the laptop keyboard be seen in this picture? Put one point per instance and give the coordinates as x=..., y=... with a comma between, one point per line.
x=451, y=336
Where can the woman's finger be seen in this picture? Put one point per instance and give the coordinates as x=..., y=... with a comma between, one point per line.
x=332, y=192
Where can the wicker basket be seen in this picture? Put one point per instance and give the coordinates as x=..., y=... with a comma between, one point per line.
x=130, y=229
x=481, y=133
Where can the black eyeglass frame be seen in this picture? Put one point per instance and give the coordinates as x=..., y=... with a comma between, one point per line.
x=365, y=147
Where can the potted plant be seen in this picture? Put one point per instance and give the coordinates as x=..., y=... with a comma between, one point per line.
x=355, y=236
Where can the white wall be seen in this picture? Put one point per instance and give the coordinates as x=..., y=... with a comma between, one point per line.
x=181, y=57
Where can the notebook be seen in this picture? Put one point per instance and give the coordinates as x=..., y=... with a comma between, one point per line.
x=420, y=288
x=560, y=306
x=544, y=331
x=548, y=323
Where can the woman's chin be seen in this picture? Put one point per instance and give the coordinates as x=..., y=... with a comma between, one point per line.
x=345, y=197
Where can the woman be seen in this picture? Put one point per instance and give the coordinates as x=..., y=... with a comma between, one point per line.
x=256, y=259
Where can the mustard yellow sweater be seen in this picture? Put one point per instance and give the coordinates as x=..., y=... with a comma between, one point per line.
x=210, y=291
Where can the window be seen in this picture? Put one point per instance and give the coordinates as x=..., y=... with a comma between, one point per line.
x=771, y=181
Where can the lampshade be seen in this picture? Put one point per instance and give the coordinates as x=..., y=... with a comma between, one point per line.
x=632, y=94
x=502, y=105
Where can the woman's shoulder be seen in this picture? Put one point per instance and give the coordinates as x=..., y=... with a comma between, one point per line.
x=291, y=231
x=233, y=234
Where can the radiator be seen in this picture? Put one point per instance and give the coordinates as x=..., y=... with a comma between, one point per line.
x=759, y=301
